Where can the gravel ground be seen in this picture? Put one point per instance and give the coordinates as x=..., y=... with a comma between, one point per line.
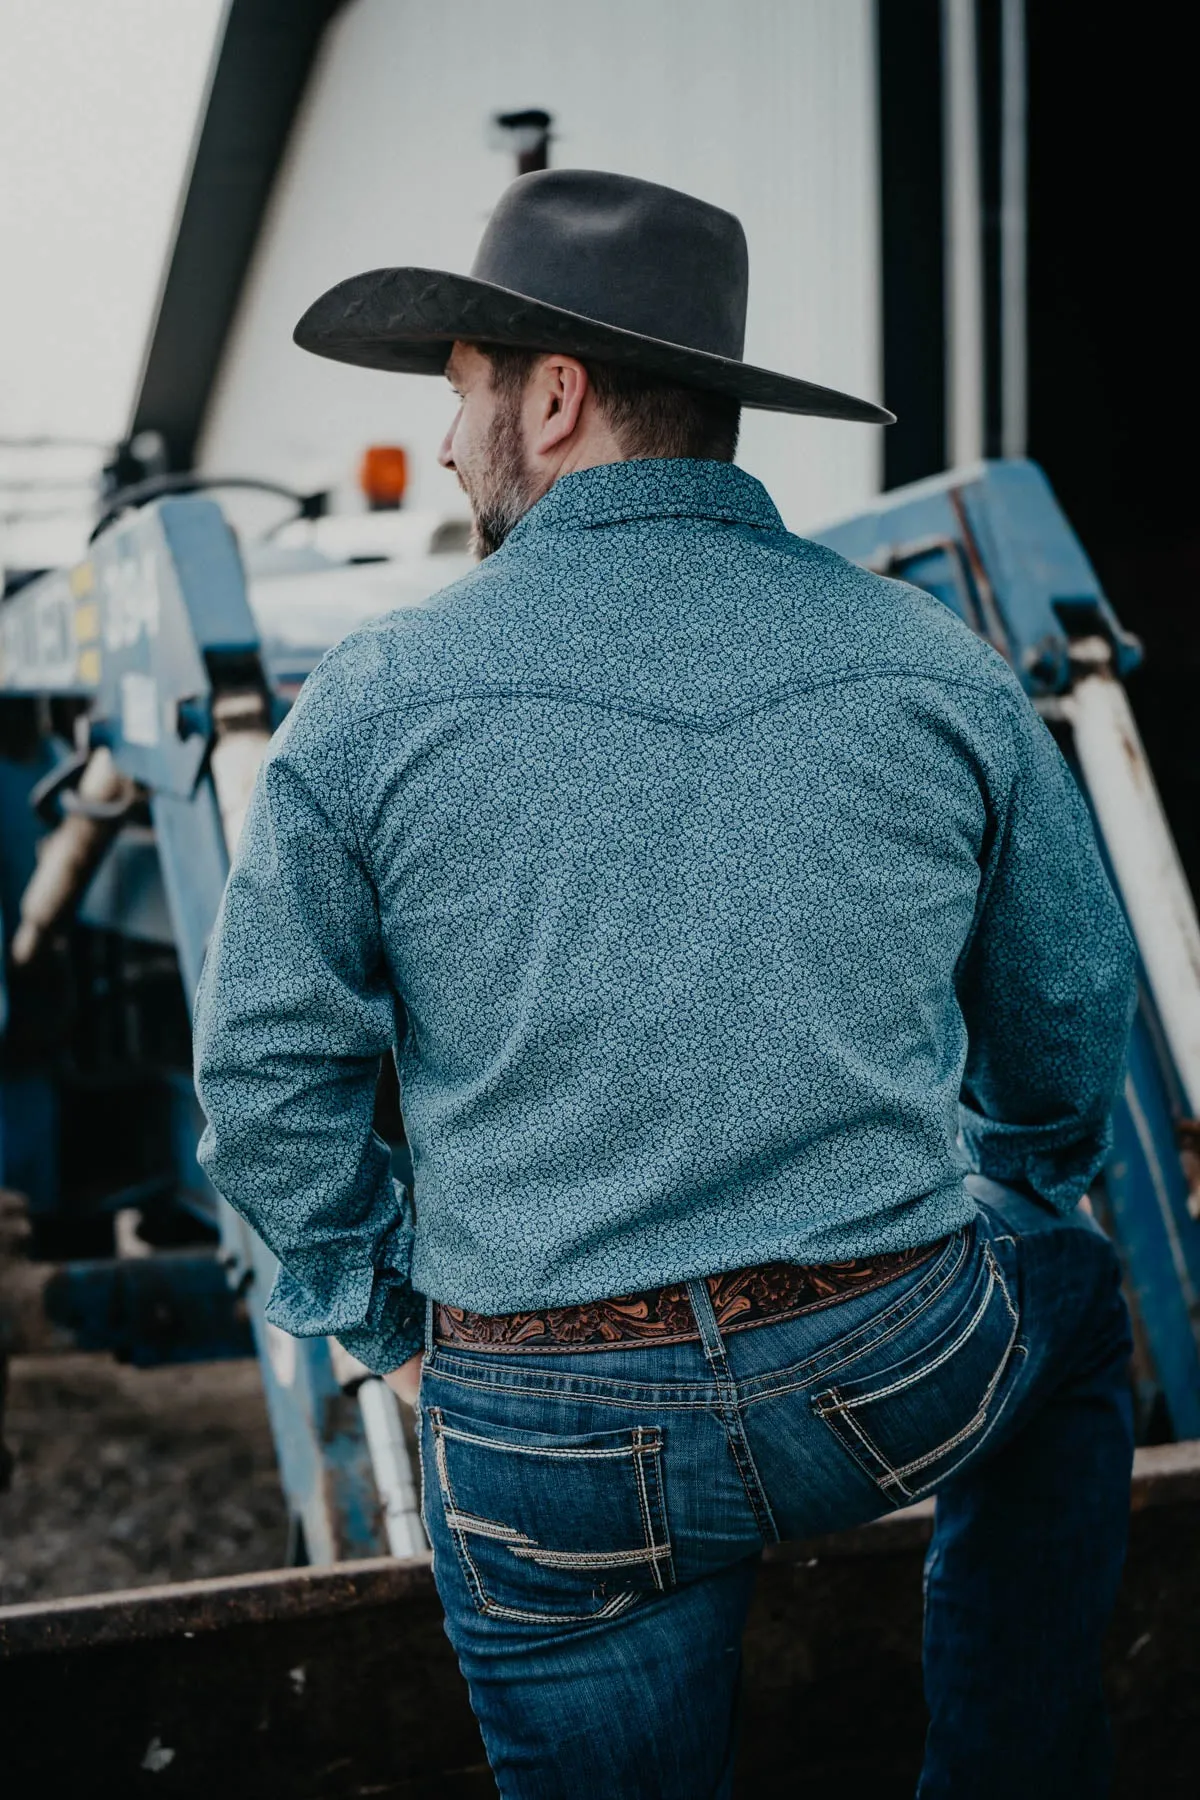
x=129, y=1476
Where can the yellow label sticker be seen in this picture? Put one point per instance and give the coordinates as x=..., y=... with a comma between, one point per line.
x=82, y=579
x=87, y=622
x=89, y=666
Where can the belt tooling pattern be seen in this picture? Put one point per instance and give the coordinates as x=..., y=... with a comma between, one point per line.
x=767, y=1294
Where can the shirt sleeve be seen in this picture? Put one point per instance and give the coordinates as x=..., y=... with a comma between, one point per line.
x=1047, y=984
x=295, y=1011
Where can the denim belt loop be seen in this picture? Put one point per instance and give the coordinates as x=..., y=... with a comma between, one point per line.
x=710, y=1332
x=715, y=1354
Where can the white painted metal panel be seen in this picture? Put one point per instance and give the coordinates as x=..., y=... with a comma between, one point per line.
x=763, y=106
x=1142, y=852
x=963, y=235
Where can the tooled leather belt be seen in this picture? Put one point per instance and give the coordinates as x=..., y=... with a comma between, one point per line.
x=768, y=1294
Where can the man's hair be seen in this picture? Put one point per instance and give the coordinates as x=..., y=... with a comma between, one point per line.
x=649, y=417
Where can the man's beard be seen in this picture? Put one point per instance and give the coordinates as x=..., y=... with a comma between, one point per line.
x=505, y=488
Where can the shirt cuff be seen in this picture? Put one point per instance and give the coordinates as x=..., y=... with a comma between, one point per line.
x=1058, y=1162
x=386, y=1348
x=372, y=1308
x=392, y=1330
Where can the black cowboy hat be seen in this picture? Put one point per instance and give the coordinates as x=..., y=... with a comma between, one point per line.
x=599, y=266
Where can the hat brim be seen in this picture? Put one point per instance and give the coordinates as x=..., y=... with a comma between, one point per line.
x=405, y=320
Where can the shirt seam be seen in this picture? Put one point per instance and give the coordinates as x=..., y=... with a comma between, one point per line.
x=580, y=521
x=424, y=699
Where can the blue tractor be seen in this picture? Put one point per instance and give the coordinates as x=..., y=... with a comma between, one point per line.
x=138, y=692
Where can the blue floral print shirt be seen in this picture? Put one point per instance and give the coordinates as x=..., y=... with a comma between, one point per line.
x=722, y=903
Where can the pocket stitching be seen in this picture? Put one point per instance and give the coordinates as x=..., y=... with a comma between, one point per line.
x=467, y=1437
x=1014, y=1350
x=872, y=1473
x=892, y=1478
x=832, y=1402
x=645, y=1442
x=449, y=1505
x=901, y=1313
x=590, y=1559
x=424, y=1486
x=910, y=1380
x=489, y=1528
x=980, y=1418
x=644, y=1500
x=618, y=1604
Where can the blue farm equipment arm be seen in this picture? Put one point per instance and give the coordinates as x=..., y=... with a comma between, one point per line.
x=149, y=654
x=136, y=699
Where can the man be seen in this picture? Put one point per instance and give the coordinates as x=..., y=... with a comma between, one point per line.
x=738, y=930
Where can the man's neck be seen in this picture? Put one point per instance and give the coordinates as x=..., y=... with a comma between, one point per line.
x=591, y=446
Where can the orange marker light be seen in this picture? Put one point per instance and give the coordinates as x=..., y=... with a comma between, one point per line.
x=383, y=476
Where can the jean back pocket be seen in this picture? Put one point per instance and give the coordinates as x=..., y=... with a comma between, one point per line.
x=551, y=1529
x=911, y=1424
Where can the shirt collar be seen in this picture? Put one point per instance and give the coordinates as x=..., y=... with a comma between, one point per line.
x=678, y=488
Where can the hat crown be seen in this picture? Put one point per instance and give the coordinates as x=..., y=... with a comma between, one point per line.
x=629, y=253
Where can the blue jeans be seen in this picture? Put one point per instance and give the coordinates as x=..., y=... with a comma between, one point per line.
x=597, y=1517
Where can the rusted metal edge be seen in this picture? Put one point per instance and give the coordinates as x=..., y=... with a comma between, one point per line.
x=1165, y=1475
x=187, y=1608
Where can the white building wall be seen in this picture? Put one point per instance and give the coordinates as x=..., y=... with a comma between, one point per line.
x=766, y=107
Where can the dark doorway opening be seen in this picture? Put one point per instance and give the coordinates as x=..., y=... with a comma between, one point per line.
x=1112, y=346
x=910, y=174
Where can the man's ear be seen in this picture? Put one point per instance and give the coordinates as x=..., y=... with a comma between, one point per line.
x=557, y=389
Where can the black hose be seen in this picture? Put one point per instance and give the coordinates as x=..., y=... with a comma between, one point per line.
x=155, y=487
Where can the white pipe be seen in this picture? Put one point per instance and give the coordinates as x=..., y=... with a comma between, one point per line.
x=1142, y=853
x=963, y=234
x=393, y=1470
x=239, y=745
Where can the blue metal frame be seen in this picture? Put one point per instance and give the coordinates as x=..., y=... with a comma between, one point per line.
x=145, y=631
x=994, y=545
